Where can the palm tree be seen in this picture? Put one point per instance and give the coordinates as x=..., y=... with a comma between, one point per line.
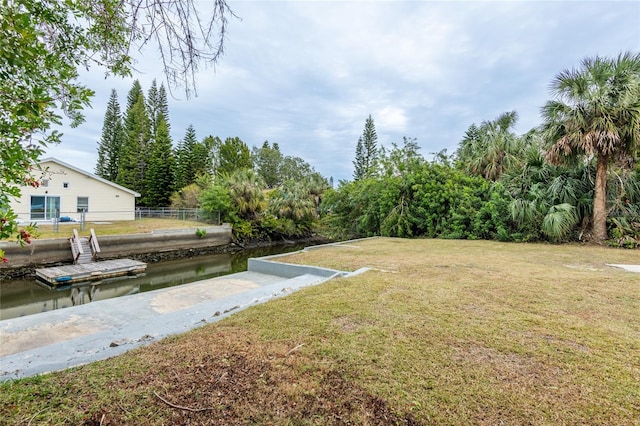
x=547, y=199
x=246, y=188
x=294, y=202
x=596, y=113
x=490, y=149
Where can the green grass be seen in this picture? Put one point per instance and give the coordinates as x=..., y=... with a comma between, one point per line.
x=440, y=331
x=116, y=227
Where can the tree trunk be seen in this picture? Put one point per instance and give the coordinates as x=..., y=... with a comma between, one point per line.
x=600, y=200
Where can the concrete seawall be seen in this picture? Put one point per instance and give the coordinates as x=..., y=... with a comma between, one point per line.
x=63, y=338
x=56, y=250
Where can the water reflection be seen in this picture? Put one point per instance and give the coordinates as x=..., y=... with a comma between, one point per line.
x=29, y=296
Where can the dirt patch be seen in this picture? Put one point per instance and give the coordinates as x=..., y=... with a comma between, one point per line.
x=235, y=378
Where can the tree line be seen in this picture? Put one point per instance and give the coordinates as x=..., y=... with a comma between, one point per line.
x=574, y=177
x=136, y=151
x=260, y=191
x=571, y=178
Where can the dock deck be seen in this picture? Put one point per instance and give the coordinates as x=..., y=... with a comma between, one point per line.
x=69, y=274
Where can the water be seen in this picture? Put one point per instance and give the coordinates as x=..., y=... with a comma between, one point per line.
x=29, y=296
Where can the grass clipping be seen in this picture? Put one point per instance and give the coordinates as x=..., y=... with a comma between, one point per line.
x=444, y=332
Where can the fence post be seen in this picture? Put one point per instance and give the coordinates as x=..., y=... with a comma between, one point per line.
x=56, y=220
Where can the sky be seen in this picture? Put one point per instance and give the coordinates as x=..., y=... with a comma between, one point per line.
x=307, y=74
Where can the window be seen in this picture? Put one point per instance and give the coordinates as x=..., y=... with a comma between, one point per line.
x=44, y=207
x=65, y=185
x=83, y=204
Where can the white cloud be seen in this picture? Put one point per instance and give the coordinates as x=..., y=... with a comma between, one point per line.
x=392, y=119
x=307, y=74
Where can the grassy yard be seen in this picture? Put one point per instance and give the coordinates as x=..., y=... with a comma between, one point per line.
x=439, y=332
x=137, y=226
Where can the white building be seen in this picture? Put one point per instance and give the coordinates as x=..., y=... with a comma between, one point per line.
x=66, y=191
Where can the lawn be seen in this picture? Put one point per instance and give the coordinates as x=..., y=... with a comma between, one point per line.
x=437, y=332
x=65, y=229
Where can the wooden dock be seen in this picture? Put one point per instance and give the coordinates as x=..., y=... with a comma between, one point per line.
x=69, y=274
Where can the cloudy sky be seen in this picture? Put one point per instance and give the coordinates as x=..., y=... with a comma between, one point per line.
x=306, y=74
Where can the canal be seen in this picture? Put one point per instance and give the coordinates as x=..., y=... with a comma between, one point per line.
x=28, y=296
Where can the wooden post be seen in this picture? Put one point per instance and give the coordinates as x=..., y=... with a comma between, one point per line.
x=76, y=247
x=95, y=247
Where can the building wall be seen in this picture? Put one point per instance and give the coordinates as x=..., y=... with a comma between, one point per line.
x=106, y=202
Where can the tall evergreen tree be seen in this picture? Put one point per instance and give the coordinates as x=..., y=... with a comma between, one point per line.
x=163, y=105
x=135, y=149
x=111, y=140
x=358, y=163
x=200, y=160
x=157, y=107
x=233, y=155
x=366, y=150
x=370, y=144
x=184, y=173
x=152, y=107
x=160, y=177
x=193, y=158
x=134, y=94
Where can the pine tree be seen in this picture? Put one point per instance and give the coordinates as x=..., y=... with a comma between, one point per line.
x=366, y=151
x=160, y=177
x=111, y=140
x=358, y=163
x=185, y=173
x=370, y=145
x=135, y=149
x=163, y=105
x=152, y=108
x=157, y=107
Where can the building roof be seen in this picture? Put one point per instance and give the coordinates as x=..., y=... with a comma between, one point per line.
x=90, y=175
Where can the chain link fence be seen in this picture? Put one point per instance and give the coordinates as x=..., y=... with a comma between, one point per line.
x=57, y=217
x=196, y=214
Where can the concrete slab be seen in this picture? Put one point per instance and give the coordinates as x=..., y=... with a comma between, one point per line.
x=64, y=338
x=630, y=268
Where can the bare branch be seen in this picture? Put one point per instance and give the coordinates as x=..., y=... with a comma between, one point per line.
x=183, y=43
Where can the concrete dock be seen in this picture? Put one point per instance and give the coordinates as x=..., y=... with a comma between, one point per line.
x=64, y=338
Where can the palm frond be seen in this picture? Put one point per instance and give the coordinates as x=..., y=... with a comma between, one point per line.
x=559, y=221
